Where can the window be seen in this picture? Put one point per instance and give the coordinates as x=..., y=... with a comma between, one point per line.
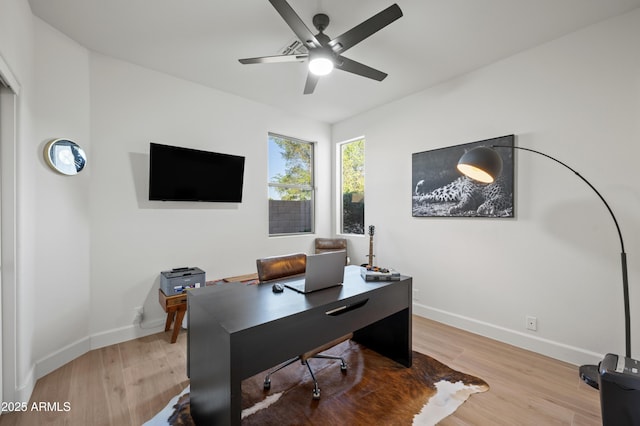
x=351, y=157
x=291, y=191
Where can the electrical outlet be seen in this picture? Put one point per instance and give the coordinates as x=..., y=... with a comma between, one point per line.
x=532, y=323
x=138, y=313
x=416, y=295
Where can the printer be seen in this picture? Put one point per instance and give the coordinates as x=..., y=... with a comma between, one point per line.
x=178, y=280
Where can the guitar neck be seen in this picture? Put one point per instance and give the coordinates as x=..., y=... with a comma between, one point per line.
x=371, y=231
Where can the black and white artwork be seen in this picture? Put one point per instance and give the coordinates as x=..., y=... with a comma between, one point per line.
x=440, y=190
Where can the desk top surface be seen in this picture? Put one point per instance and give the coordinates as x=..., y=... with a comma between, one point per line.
x=237, y=307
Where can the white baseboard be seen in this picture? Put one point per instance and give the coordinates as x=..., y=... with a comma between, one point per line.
x=124, y=334
x=24, y=390
x=556, y=350
x=570, y=354
x=72, y=351
x=62, y=356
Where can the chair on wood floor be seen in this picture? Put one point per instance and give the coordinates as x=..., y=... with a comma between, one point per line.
x=287, y=266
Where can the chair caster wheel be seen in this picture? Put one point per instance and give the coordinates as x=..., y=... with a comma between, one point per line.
x=316, y=394
x=267, y=384
x=343, y=367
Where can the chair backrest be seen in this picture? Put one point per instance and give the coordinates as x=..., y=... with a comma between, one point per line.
x=324, y=245
x=278, y=267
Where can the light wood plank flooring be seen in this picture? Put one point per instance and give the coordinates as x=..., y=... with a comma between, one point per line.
x=127, y=383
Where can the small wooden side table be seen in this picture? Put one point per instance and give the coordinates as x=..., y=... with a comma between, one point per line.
x=173, y=305
x=176, y=306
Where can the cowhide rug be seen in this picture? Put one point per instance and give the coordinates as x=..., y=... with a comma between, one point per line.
x=374, y=390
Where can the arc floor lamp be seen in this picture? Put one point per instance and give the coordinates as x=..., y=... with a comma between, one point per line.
x=485, y=164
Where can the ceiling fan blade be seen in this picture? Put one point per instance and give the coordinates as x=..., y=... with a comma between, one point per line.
x=274, y=59
x=365, y=29
x=295, y=23
x=346, y=64
x=310, y=85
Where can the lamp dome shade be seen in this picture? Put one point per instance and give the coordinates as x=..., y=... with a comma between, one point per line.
x=482, y=164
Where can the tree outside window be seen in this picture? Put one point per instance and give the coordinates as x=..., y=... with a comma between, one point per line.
x=352, y=187
x=291, y=192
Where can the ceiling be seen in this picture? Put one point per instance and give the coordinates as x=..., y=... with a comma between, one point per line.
x=202, y=40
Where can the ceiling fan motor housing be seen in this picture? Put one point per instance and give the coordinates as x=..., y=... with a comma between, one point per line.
x=320, y=21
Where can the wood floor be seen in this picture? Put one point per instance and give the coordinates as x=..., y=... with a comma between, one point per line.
x=128, y=383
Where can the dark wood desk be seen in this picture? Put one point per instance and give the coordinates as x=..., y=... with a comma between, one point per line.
x=237, y=331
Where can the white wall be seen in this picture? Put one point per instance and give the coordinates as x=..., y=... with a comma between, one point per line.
x=60, y=228
x=578, y=99
x=134, y=239
x=49, y=293
x=90, y=247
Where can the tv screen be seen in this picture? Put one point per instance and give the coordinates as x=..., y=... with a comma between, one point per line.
x=184, y=174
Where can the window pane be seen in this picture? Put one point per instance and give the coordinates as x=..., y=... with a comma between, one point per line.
x=290, y=185
x=352, y=182
x=291, y=216
x=289, y=161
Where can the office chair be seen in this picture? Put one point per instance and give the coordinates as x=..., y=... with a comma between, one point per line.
x=278, y=267
x=323, y=245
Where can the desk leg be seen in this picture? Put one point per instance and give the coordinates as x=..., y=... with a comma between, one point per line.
x=390, y=337
x=216, y=393
x=178, y=324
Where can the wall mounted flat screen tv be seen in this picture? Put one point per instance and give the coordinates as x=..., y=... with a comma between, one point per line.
x=185, y=174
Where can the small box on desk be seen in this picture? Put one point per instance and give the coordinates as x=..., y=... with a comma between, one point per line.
x=178, y=280
x=379, y=274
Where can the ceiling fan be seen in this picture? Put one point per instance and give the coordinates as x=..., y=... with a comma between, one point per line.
x=324, y=53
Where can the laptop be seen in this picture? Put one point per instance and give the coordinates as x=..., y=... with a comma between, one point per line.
x=323, y=270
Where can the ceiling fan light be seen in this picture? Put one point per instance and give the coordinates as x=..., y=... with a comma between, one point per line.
x=320, y=66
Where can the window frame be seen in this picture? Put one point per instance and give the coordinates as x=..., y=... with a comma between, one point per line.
x=311, y=187
x=339, y=187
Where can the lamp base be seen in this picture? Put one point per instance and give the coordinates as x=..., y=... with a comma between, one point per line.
x=589, y=374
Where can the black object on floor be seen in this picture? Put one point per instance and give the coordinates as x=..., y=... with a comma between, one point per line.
x=620, y=391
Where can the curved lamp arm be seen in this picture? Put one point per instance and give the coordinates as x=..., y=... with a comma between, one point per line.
x=485, y=161
x=623, y=254
x=581, y=177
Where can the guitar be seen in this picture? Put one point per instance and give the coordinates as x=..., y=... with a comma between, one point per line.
x=372, y=230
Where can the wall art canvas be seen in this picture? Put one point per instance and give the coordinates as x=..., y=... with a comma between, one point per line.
x=439, y=190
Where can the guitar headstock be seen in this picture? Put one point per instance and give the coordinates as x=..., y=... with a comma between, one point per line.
x=372, y=229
